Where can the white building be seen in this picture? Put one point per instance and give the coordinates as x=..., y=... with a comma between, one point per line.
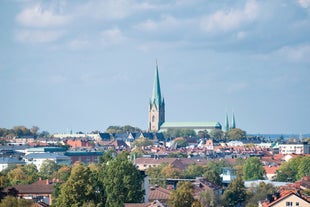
x=6, y=162
x=38, y=158
x=298, y=148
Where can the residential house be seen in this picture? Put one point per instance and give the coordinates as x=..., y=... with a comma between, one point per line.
x=285, y=198
x=40, y=191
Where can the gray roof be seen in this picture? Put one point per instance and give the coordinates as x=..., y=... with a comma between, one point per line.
x=46, y=156
x=10, y=160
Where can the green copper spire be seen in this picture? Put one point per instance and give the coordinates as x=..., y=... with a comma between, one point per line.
x=226, y=123
x=156, y=96
x=233, y=122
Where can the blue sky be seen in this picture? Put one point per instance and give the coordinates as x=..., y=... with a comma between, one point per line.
x=88, y=64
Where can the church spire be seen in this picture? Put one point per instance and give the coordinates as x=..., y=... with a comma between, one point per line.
x=226, y=123
x=156, y=95
x=233, y=122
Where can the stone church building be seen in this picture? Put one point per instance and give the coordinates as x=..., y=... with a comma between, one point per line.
x=156, y=114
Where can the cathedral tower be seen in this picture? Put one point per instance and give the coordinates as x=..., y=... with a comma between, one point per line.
x=156, y=106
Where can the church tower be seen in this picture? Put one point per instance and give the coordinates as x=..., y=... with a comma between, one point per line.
x=156, y=106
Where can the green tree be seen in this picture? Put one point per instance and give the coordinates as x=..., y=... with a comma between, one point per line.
x=203, y=134
x=192, y=171
x=122, y=129
x=171, y=133
x=17, y=176
x=235, y=134
x=155, y=175
x=122, y=182
x=31, y=171
x=213, y=171
x=182, y=196
x=107, y=156
x=48, y=168
x=235, y=194
x=11, y=201
x=208, y=198
x=34, y=130
x=253, y=169
x=304, y=167
x=256, y=194
x=288, y=171
x=216, y=134
x=80, y=188
x=142, y=142
x=181, y=142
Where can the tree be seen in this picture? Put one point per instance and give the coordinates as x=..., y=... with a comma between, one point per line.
x=304, y=167
x=213, y=171
x=122, y=181
x=31, y=171
x=253, y=169
x=208, y=198
x=179, y=133
x=203, y=134
x=34, y=130
x=142, y=142
x=216, y=134
x=80, y=188
x=192, y=171
x=122, y=129
x=256, y=194
x=155, y=175
x=171, y=172
x=180, y=142
x=288, y=171
x=182, y=196
x=235, y=134
x=48, y=168
x=17, y=176
x=235, y=194
x=11, y=201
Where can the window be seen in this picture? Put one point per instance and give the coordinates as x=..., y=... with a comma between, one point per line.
x=289, y=203
x=297, y=203
x=153, y=118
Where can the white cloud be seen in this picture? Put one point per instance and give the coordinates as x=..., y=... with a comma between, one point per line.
x=304, y=3
x=297, y=54
x=37, y=36
x=39, y=16
x=78, y=44
x=166, y=22
x=227, y=20
x=112, y=36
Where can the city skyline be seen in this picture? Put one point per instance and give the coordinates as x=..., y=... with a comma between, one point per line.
x=87, y=65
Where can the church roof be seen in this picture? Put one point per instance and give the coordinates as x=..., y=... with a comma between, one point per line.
x=191, y=125
x=156, y=95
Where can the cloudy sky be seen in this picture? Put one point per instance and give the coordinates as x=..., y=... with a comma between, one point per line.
x=84, y=65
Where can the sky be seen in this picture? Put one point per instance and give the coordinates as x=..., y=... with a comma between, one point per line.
x=84, y=65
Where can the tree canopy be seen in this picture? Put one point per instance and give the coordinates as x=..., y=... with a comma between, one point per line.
x=253, y=169
x=80, y=188
x=235, y=134
x=122, y=181
x=182, y=196
x=235, y=194
x=122, y=129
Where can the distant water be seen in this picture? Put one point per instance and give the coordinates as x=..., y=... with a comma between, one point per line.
x=285, y=136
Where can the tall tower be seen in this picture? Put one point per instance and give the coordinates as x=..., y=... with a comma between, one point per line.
x=156, y=105
x=226, y=123
x=233, y=122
